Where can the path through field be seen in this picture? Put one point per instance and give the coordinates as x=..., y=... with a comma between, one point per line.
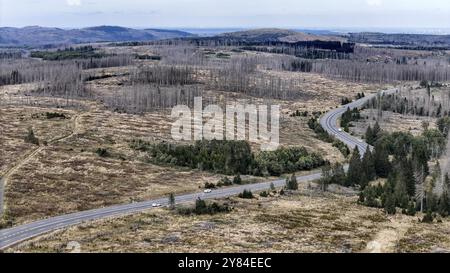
x=386, y=240
x=28, y=157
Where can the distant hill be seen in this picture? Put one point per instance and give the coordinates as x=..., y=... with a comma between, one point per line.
x=38, y=36
x=266, y=40
x=401, y=40
x=278, y=35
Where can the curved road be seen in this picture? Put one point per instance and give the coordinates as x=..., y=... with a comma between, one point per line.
x=330, y=119
x=15, y=235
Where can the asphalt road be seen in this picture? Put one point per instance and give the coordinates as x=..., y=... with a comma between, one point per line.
x=330, y=119
x=15, y=235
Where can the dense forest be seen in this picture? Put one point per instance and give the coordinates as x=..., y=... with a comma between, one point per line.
x=404, y=160
x=230, y=157
x=84, y=52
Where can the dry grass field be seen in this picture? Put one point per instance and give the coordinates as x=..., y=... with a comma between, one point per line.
x=392, y=122
x=67, y=175
x=14, y=124
x=304, y=221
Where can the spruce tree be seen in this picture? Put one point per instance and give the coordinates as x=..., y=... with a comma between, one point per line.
x=444, y=204
x=354, y=169
x=338, y=174
x=291, y=183
x=411, y=210
x=408, y=177
x=368, y=164
x=370, y=197
x=327, y=177
x=431, y=202
x=363, y=180
x=31, y=138
x=389, y=206
x=381, y=162
x=362, y=198
x=171, y=201
x=369, y=136
x=401, y=195
x=421, y=154
x=447, y=182
x=388, y=189
x=376, y=131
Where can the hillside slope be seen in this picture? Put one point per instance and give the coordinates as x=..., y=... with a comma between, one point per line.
x=35, y=35
x=278, y=35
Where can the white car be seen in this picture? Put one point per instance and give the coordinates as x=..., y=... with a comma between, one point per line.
x=208, y=191
x=155, y=205
x=340, y=129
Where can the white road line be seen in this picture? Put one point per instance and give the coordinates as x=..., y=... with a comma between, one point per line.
x=15, y=235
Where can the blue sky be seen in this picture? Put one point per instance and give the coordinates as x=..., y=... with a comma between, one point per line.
x=228, y=13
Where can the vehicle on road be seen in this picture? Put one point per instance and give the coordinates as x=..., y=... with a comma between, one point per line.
x=208, y=191
x=156, y=205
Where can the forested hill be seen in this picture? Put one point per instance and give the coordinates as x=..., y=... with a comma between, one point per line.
x=280, y=38
x=407, y=41
x=38, y=36
x=278, y=35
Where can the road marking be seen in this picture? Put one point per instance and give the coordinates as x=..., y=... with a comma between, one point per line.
x=15, y=235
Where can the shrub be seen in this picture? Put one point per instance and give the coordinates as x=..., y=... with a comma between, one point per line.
x=349, y=116
x=31, y=138
x=201, y=208
x=53, y=115
x=237, y=180
x=246, y=194
x=224, y=182
x=321, y=134
x=291, y=183
x=223, y=55
x=344, y=149
x=287, y=160
x=102, y=152
x=428, y=217
x=411, y=210
x=264, y=194
x=140, y=145
x=272, y=187
x=209, y=185
x=371, y=198
x=345, y=101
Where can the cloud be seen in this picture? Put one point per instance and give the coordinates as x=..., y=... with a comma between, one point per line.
x=374, y=3
x=74, y=3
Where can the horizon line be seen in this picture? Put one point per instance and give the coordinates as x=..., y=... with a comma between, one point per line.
x=391, y=30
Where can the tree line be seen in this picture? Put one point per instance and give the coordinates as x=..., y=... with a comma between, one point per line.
x=231, y=157
x=402, y=159
x=413, y=102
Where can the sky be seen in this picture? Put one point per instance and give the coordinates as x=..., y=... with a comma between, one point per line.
x=322, y=14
